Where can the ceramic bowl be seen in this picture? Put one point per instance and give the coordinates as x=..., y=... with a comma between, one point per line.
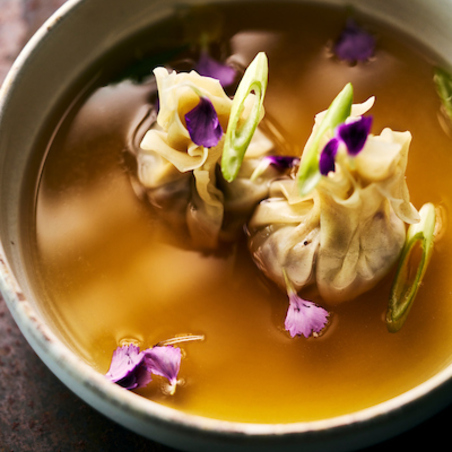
x=71, y=41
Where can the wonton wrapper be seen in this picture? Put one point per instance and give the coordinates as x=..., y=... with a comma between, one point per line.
x=348, y=233
x=181, y=178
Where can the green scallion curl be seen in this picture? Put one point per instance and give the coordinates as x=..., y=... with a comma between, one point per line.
x=413, y=263
x=308, y=175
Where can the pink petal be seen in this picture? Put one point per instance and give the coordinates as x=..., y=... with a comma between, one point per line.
x=304, y=317
x=164, y=361
x=127, y=368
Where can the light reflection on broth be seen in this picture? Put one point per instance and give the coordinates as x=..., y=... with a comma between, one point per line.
x=112, y=272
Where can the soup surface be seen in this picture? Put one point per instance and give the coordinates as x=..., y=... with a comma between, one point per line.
x=112, y=273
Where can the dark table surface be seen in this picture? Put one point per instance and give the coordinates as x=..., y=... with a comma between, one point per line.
x=37, y=412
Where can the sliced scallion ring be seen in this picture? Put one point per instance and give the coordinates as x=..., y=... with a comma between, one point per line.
x=443, y=82
x=308, y=174
x=238, y=136
x=413, y=263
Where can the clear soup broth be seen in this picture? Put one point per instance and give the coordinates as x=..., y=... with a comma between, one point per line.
x=112, y=273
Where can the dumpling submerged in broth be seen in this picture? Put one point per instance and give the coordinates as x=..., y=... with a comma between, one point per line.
x=179, y=159
x=348, y=231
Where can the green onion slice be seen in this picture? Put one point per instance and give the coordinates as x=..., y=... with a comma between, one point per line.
x=308, y=173
x=412, y=266
x=238, y=136
x=443, y=82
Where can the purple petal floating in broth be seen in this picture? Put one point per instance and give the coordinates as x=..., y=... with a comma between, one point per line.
x=164, y=361
x=327, y=156
x=354, y=134
x=208, y=67
x=203, y=124
x=354, y=44
x=128, y=368
x=304, y=317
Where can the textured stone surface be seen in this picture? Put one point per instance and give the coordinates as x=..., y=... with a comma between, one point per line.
x=37, y=412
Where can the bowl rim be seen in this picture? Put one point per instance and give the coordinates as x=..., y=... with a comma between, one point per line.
x=70, y=368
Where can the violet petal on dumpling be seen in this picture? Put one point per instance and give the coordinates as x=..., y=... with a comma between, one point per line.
x=304, y=317
x=164, y=361
x=203, y=124
x=327, y=157
x=208, y=67
x=283, y=161
x=279, y=162
x=354, y=134
x=128, y=369
x=354, y=43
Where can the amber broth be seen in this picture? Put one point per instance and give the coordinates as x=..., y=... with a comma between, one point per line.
x=111, y=273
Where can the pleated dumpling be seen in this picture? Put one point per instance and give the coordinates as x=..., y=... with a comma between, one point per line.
x=179, y=159
x=347, y=232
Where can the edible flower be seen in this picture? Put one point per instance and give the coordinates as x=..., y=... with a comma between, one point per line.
x=209, y=67
x=203, y=125
x=128, y=368
x=309, y=174
x=239, y=132
x=327, y=157
x=280, y=162
x=353, y=135
x=354, y=44
x=164, y=361
x=133, y=369
x=413, y=264
x=304, y=318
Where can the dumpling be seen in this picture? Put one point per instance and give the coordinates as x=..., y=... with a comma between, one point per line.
x=347, y=233
x=181, y=178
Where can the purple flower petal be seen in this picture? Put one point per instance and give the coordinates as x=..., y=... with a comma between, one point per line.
x=209, y=67
x=304, y=317
x=354, y=43
x=127, y=368
x=282, y=162
x=354, y=134
x=203, y=124
x=164, y=361
x=327, y=156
